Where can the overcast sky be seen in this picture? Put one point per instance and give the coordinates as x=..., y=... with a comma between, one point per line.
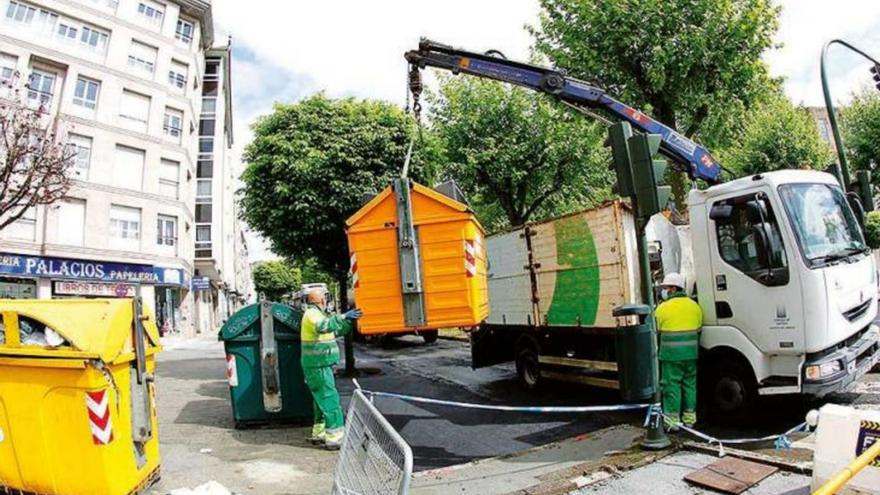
x=285, y=50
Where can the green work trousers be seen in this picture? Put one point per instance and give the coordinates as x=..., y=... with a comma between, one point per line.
x=678, y=381
x=328, y=410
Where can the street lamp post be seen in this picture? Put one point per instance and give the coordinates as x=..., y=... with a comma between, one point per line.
x=843, y=170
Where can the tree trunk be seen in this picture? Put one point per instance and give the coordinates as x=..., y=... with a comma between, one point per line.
x=342, y=280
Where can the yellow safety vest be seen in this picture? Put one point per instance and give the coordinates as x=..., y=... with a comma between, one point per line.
x=318, y=337
x=679, y=320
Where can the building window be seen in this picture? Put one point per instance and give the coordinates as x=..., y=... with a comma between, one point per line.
x=152, y=12
x=209, y=106
x=25, y=228
x=40, y=87
x=205, y=168
x=67, y=31
x=125, y=226
x=173, y=123
x=20, y=12
x=128, y=168
x=203, y=188
x=212, y=70
x=169, y=179
x=81, y=149
x=166, y=230
x=71, y=221
x=7, y=69
x=142, y=57
x=207, y=127
x=178, y=74
x=206, y=145
x=135, y=109
x=86, y=93
x=112, y=4
x=203, y=241
x=203, y=212
x=94, y=38
x=184, y=32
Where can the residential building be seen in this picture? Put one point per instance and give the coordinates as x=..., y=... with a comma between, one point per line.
x=223, y=277
x=124, y=79
x=820, y=114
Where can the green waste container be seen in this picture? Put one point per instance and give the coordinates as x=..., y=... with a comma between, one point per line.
x=635, y=353
x=266, y=381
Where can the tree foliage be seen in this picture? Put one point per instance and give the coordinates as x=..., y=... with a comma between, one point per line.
x=309, y=166
x=777, y=135
x=860, y=122
x=35, y=160
x=517, y=153
x=695, y=65
x=276, y=278
x=872, y=229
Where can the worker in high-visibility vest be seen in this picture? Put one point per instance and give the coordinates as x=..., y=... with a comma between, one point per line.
x=320, y=354
x=679, y=320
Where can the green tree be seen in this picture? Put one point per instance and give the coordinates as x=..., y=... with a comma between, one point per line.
x=872, y=229
x=516, y=153
x=695, y=65
x=308, y=167
x=276, y=279
x=777, y=135
x=860, y=122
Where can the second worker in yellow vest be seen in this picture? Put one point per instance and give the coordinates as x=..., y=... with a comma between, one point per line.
x=679, y=320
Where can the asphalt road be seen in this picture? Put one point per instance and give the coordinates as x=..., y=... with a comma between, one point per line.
x=443, y=435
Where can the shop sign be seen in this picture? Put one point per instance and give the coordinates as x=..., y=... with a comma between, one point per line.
x=94, y=289
x=201, y=283
x=101, y=271
x=169, y=276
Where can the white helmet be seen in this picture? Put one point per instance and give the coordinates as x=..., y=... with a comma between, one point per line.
x=675, y=280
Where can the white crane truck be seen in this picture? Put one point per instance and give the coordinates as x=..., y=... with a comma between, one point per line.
x=787, y=286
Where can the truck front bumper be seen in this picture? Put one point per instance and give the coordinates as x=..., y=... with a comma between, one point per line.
x=856, y=360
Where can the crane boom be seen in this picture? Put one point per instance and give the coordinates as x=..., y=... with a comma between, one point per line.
x=700, y=163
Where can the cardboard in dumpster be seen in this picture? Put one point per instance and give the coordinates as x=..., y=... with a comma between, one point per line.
x=730, y=475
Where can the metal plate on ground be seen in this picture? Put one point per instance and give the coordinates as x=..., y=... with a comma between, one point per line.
x=730, y=475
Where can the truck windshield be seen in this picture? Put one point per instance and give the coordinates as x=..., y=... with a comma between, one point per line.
x=825, y=226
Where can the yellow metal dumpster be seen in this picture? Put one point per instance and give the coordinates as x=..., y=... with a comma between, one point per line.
x=78, y=418
x=417, y=261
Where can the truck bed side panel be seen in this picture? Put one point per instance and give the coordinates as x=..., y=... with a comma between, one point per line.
x=582, y=268
x=510, y=293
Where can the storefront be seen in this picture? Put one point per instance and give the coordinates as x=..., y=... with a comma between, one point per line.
x=18, y=288
x=25, y=276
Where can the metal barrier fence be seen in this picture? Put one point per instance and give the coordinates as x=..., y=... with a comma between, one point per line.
x=374, y=459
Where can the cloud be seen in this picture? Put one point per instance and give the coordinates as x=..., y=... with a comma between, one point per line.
x=806, y=25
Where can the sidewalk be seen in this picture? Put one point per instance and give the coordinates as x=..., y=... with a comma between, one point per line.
x=198, y=443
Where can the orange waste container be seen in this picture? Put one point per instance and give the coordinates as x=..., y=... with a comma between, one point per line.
x=418, y=262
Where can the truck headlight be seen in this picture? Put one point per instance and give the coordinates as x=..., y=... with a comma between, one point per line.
x=819, y=371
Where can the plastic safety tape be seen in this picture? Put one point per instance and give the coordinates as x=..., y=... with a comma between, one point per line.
x=532, y=409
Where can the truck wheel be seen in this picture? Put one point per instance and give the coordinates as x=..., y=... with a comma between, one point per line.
x=430, y=336
x=528, y=369
x=733, y=391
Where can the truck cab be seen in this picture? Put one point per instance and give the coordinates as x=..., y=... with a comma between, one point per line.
x=787, y=286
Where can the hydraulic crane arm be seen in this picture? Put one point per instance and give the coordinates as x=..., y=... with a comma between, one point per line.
x=700, y=164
